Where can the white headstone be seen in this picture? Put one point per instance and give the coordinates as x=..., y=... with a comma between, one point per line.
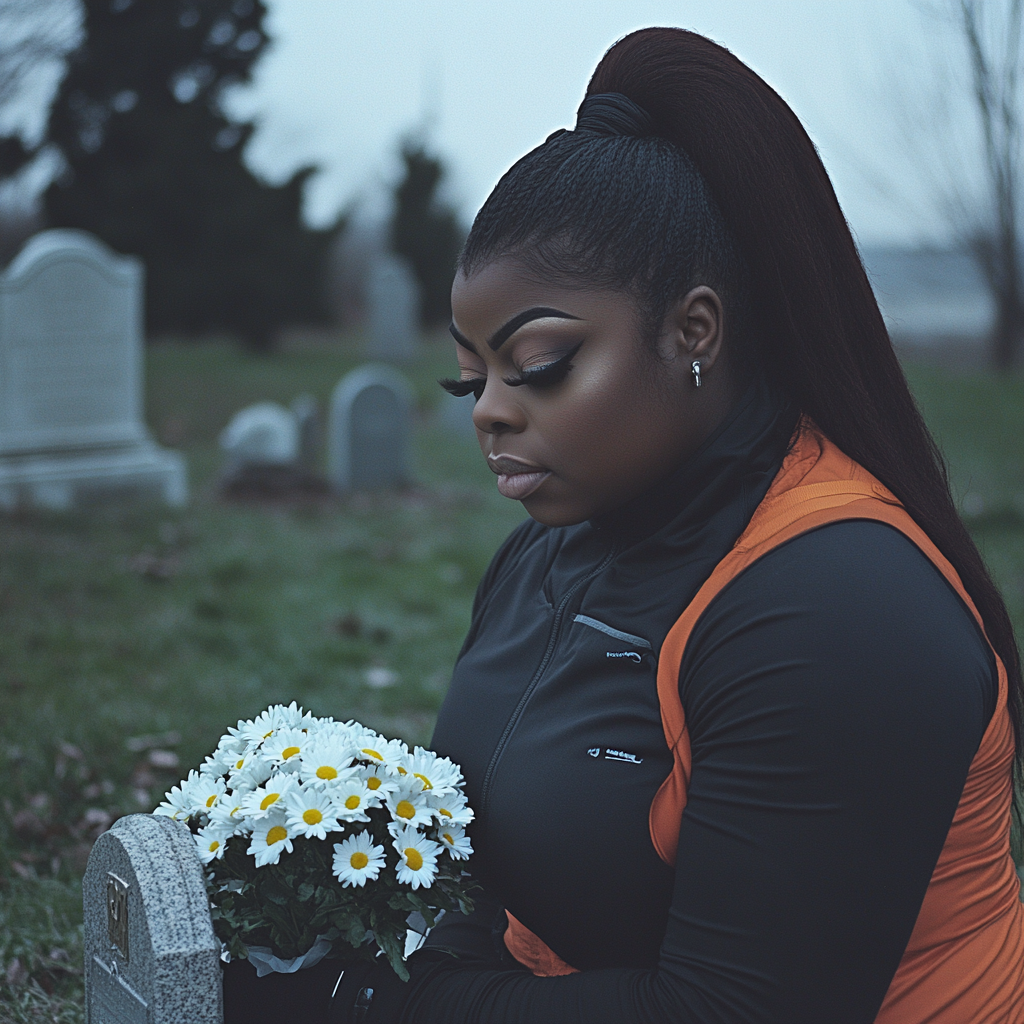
x=264, y=434
x=368, y=431
x=71, y=377
x=151, y=956
x=394, y=306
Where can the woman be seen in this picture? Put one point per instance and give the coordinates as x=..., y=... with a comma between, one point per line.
x=739, y=705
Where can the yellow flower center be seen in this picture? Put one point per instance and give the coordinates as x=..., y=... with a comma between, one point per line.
x=234, y=811
x=405, y=809
x=352, y=802
x=210, y=800
x=266, y=734
x=276, y=834
x=444, y=812
x=268, y=800
x=402, y=771
x=312, y=816
x=373, y=782
x=240, y=762
x=359, y=860
x=289, y=752
x=213, y=846
x=447, y=837
x=424, y=780
x=413, y=858
x=372, y=753
x=325, y=771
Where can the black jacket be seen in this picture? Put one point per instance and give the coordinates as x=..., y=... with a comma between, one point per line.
x=835, y=693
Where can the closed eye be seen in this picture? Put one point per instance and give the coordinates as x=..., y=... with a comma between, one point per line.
x=460, y=388
x=548, y=375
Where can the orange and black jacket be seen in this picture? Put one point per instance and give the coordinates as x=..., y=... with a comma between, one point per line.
x=824, y=836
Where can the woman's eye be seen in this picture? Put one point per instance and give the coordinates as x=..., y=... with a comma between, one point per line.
x=460, y=388
x=548, y=375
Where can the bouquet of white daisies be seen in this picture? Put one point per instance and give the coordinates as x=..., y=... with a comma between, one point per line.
x=316, y=831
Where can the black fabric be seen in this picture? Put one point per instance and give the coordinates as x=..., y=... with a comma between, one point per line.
x=836, y=693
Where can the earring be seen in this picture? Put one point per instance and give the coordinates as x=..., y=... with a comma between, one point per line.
x=695, y=368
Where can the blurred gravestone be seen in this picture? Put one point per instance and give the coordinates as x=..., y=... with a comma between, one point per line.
x=151, y=955
x=264, y=454
x=264, y=434
x=368, y=433
x=394, y=308
x=71, y=378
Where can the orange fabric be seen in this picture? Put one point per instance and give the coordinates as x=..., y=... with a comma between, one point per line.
x=965, y=959
x=533, y=952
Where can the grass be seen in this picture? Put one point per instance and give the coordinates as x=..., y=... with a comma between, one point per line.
x=130, y=637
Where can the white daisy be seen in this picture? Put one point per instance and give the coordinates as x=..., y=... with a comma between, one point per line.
x=326, y=759
x=453, y=838
x=377, y=750
x=417, y=858
x=270, y=839
x=268, y=722
x=227, y=814
x=285, y=747
x=357, y=859
x=436, y=774
x=408, y=807
x=211, y=842
x=262, y=800
x=450, y=810
x=178, y=803
x=249, y=771
x=378, y=779
x=351, y=800
x=311, y=813
x=204, y=791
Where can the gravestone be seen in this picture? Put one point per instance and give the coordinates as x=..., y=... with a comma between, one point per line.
x=394, y=308
x=151, y=956
x=264, y=434
x=368, y=431
x=71, y=378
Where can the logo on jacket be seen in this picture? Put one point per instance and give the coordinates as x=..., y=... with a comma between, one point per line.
x=615, y=755
x=632, y=655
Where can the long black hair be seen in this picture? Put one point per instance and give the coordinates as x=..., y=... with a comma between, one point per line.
x=703, y=174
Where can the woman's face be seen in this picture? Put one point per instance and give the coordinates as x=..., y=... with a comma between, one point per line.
x=577, y=413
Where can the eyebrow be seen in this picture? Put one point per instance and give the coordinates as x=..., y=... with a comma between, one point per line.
x=503, y=333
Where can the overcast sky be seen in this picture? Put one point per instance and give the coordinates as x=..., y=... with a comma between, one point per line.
x=346, y=79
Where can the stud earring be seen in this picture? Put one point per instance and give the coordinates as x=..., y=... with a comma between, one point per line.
x=695, y=368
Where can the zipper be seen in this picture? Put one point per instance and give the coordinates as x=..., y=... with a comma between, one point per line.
x=528, y=692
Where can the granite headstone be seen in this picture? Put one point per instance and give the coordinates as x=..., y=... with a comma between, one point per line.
x=368, y=431
x=264, y=434
x=151, y=956
x=71, y=361
x=394, y=306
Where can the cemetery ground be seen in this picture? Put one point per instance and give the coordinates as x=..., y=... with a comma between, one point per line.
x=131, y=637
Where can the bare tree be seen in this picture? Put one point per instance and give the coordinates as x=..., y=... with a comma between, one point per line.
x=978, y=179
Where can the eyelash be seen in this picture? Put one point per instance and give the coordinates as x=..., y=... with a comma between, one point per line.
x=545, y=376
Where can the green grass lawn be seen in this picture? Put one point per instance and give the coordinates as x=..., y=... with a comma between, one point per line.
x=129, y=638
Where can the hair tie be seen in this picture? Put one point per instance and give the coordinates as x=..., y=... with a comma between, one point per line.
x=612, y=113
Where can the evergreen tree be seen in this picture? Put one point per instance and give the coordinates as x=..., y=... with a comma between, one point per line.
x=426, y=232
x=154, y=167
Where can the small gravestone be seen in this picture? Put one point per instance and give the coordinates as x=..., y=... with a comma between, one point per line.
x=264, y=434
x=151, y=956
x=368, y=433
x=71, y=362
x=394, y=308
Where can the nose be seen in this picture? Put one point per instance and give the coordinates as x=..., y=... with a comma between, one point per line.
x=497, y=411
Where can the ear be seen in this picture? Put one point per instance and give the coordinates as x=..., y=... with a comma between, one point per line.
x=694, y=328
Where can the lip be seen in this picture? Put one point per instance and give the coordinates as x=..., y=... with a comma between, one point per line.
x=517, y=478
